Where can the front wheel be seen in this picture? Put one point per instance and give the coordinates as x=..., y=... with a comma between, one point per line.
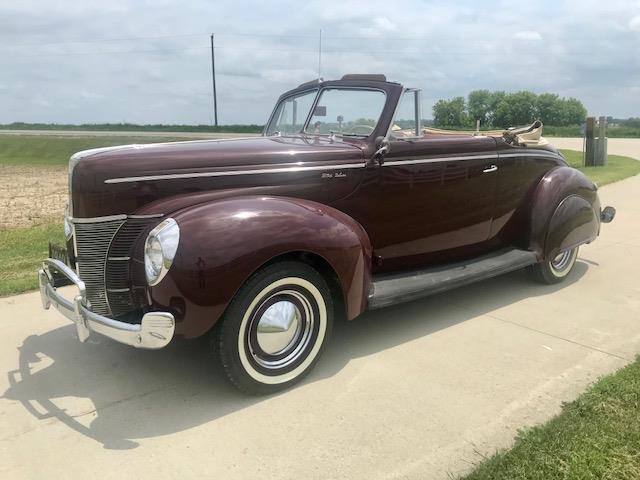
x=555, y=270
x=275, y=328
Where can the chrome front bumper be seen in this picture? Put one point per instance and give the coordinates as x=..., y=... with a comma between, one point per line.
x=154, y=331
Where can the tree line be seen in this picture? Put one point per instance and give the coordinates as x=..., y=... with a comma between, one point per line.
x=502, y=110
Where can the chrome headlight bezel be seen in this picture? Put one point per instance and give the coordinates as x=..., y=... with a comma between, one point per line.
x=66, y=224
x=160, y=249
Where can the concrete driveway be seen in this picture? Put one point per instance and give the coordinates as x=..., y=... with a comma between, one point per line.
x=629, y=147
x=415, y=391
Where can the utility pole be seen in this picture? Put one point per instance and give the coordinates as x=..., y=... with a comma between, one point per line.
x=213, y=77
x=320, y=54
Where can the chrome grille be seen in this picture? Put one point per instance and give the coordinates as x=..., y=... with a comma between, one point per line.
x=92, y=241
x=125, y=278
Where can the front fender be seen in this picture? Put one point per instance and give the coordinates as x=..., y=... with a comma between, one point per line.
x=224, y=241
x=565, y=212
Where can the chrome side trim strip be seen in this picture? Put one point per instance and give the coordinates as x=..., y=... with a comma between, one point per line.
x=529, y=153
x=492, y=156
x=292, y=169
x=439, y=159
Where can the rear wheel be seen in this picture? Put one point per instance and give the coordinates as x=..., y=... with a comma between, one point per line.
x=555, y=270
x=275, y=328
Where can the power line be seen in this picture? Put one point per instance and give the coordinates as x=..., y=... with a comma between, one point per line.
x=255, y=35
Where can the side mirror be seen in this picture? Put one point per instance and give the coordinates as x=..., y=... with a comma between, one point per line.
x=382, y=148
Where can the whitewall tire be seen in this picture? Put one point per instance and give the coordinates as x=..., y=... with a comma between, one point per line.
x=275, y=328
x=556, y=269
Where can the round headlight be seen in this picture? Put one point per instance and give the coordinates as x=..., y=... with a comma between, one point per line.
x=160, y=250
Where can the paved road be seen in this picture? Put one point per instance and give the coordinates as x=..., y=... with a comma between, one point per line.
x=629, y=147
x=91, y=133
x=413, y=391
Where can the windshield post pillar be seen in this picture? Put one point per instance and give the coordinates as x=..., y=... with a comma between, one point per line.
x=416, y=100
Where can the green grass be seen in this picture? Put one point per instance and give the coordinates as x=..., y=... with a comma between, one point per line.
x=617, y=168
x=21, y=251
x=56, y=150
x=596, y=436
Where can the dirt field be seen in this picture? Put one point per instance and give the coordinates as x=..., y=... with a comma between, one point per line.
x=31, y=195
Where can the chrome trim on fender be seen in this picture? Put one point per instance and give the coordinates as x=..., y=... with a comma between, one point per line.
x=292, y=169
x=155, y=330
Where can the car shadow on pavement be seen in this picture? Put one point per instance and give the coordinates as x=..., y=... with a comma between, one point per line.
x=119, y=394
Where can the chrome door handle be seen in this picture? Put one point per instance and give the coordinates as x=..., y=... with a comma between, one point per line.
x=490, y=168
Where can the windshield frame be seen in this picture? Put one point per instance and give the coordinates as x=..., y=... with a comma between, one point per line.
x=319, y=91
x=417, y=112
x=298, y=93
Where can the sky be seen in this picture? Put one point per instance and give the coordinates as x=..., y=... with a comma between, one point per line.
x=144, y=61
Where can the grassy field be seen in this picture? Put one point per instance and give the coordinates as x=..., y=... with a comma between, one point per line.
x=617, y=168
x=595, y=437
x=22, y=250
x=52, y=150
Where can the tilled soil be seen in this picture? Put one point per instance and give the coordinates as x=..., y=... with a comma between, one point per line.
x=32, y=195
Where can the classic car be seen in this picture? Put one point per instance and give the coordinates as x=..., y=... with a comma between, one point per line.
x=346, y=203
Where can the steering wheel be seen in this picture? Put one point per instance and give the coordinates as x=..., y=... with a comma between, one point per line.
x=361, y=129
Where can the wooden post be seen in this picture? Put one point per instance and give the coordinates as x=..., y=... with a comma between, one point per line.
x=601, y=151
x=589, y=157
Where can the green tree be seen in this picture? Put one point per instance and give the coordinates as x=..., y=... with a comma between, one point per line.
x=573, y=112
x=502, y=110
x=494, y=101
x=550, y=109
x=479, y=107
x=450, y=113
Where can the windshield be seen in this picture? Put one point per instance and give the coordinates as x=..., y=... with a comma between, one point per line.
x=352, y=112
x=291, y=114
x=347, y=112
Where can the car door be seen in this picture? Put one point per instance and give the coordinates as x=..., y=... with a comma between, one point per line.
x=431, y=200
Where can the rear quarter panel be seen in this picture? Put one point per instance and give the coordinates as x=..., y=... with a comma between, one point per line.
x=565, y=212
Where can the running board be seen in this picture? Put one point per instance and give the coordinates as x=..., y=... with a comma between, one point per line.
x=403, y=287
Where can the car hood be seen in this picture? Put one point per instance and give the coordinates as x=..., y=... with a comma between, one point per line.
x=108, y=181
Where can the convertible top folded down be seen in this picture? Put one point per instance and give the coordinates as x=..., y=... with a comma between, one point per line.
x=526, y=136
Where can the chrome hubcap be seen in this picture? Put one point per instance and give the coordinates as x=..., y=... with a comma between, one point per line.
x=280, y=333
x=562, y=261
x=278, y=327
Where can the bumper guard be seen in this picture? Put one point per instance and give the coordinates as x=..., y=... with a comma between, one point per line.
x=155, y=330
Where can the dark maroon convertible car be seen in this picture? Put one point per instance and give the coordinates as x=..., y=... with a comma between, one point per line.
x=344, y=204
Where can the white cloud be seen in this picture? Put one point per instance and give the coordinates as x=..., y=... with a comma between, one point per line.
x=528, y=35
x=266, y=48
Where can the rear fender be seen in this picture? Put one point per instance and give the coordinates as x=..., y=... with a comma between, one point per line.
x=565, y=212
x=223, y=242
